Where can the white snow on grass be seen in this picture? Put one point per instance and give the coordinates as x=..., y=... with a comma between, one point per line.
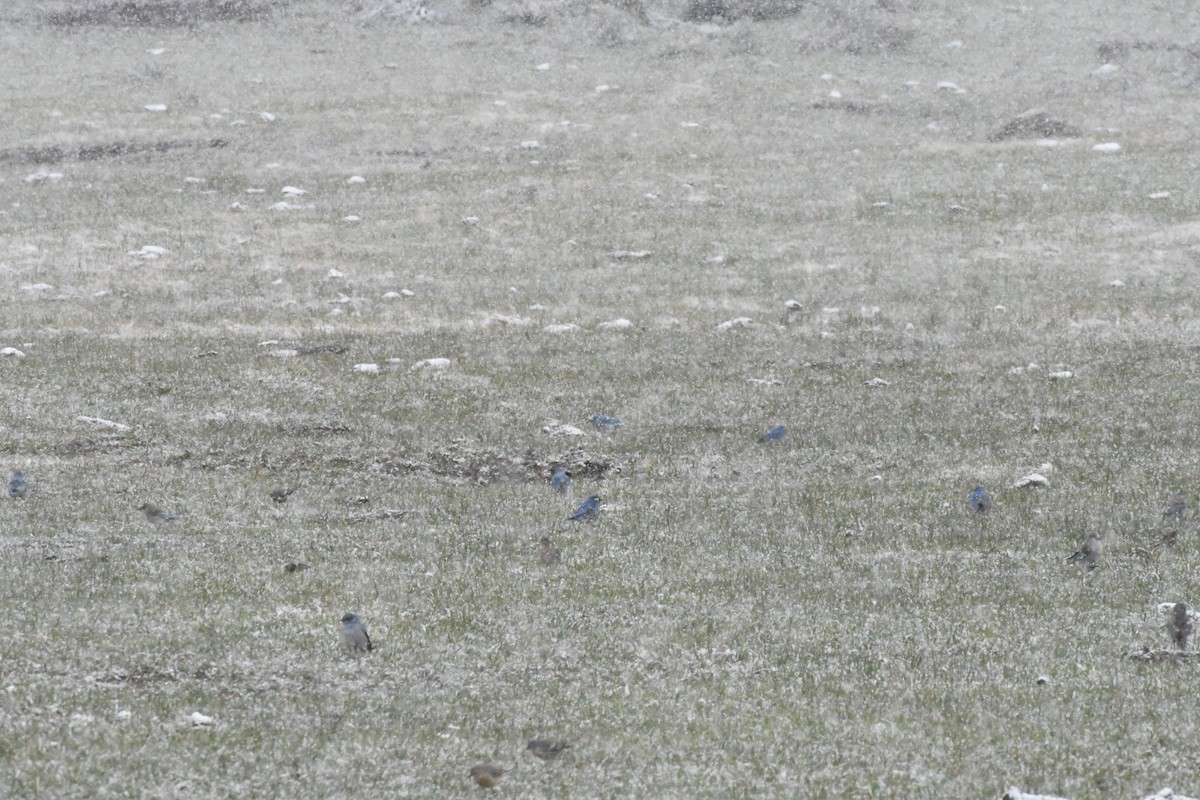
x=736, y=322
x=149, y=252
x=1032, y=479
x=618, y=324
x=100, y=422
x=438, y=363
x=561, y=429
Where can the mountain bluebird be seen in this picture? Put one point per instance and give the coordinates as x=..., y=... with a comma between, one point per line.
x=1180, y=626
x=488, y=776
x=588, y=509
x=281, y=495
x=1175, y=508
x=547, y=749
x=1089, y=554
x=605, y=423
x=980, y=500
x=773, y=435
x=551, y=555
x=155, y=514
x=17, y=487
x=354, y=634
x=560, y=480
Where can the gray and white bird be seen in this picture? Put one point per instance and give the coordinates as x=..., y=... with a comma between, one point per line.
x=1175, y=508
x=353, y=634
x=1089, y=554
x=155, y=514
x=17, y=487
x=1180, y=626
x=281, y=494
x=547, y=749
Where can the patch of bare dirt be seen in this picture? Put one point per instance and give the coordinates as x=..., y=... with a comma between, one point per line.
x=489, y=466
x=179, y=13
x=97, y=152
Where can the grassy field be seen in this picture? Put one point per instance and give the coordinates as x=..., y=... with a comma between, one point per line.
x=822, y=616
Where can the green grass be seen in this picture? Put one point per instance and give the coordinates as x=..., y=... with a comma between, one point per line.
x=821, y=616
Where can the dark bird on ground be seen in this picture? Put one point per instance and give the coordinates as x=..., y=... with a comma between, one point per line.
x=488, y=776
x=1180, y=627
x=155, y=514
x=1175, y=508
x=551, y=555
x=1089, y=554
x=281, y=495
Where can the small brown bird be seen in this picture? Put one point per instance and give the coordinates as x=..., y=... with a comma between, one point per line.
x=155, y=514
x=1180, y=626
x=1175, y=508
x=295, y=566
x=281, y=495
x=547, y=749
x=1089, y=554
x=551, y=555
x=488, y=776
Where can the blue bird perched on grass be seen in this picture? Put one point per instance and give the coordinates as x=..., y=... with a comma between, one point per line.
x=353, y=634
x=980, y=500
x=773, y=435
x=588, y=509
x=605, y=423
x=17, y=487
x=560, y=480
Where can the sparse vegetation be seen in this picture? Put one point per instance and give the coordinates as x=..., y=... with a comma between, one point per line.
x=822, y=615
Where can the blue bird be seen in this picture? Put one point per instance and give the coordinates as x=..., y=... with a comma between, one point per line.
x=605, y=423
x=560, y=480
x=980, y=500
x=773, y=435
x=17, y=487
x=353, y=634
x=588, y=509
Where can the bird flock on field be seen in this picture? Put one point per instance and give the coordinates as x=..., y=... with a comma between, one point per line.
x=354, y=638
x=1180, y=626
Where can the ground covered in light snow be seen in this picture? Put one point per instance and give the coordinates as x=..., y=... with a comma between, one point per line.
x=397, y=256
